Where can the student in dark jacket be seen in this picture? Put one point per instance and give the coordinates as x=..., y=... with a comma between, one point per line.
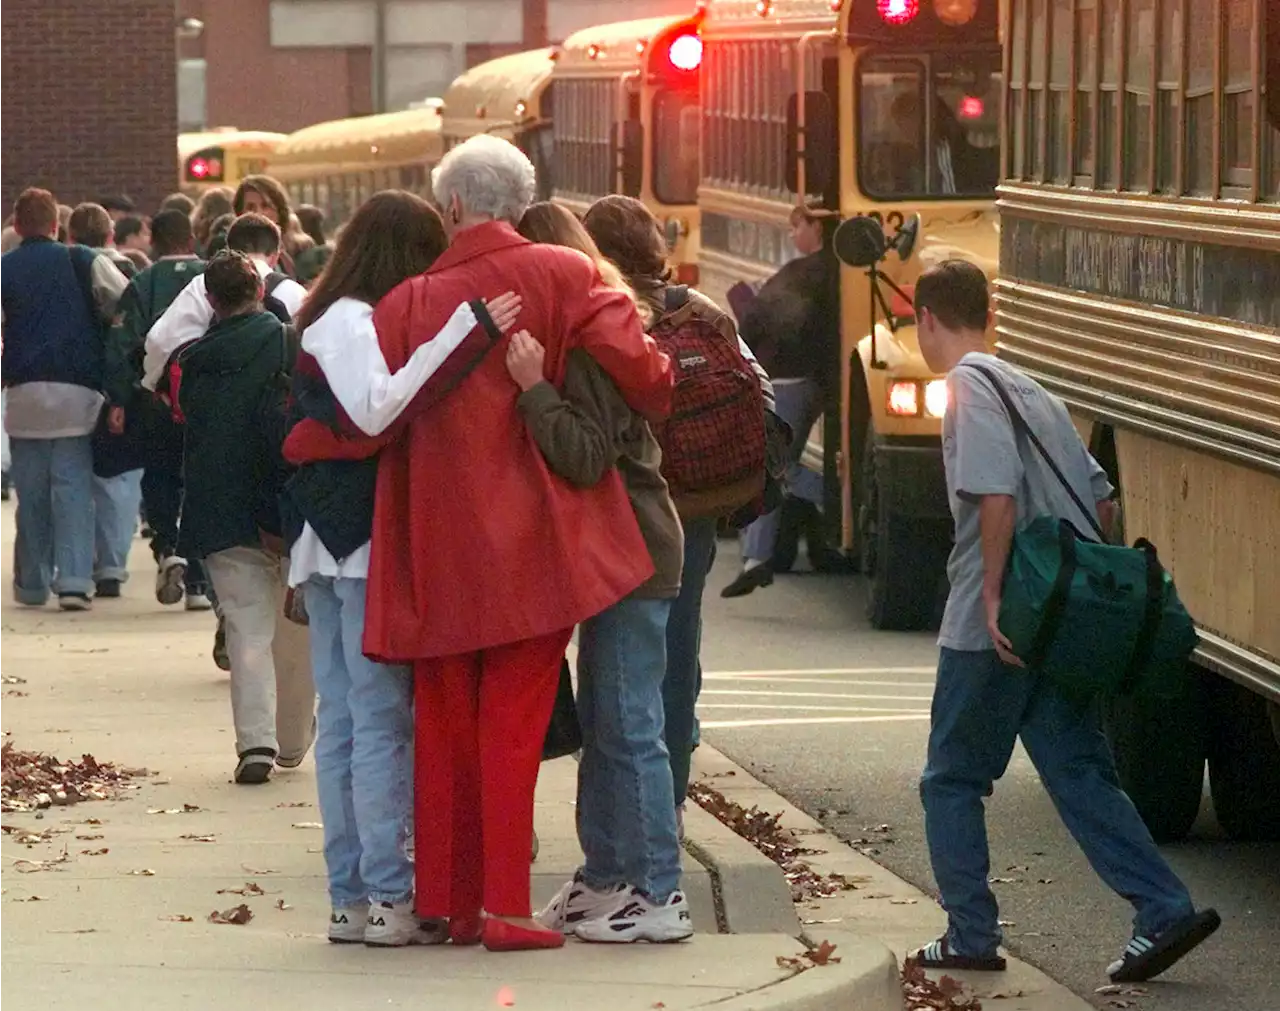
x=230, y=502
x=793, y=326
x=136, y=409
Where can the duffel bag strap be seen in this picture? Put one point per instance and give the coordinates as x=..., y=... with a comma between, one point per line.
x=1055, y=606
x=1150, y=618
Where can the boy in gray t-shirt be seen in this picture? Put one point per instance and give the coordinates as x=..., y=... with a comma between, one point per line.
x=984, y=698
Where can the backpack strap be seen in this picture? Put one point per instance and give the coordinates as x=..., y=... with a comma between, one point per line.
x=82, y=258
x=674, y=298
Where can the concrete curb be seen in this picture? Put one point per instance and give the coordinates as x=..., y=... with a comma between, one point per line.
x=865, y=979
x=752, y=895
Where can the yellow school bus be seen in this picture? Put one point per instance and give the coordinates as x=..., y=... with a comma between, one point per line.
x=508, y=98
x=222, y=157
x=625, y=120
x=866, y=107
x=340, y=164
x=1140, y=281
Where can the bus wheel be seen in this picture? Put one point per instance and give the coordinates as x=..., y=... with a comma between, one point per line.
x=901, y=557
x=1159, y=748
x=1244, y=764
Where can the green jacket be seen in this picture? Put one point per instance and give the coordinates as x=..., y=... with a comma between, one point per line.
x=144, y=301
x=228, y=468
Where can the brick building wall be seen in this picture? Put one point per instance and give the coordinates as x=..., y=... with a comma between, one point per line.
x=88, y=99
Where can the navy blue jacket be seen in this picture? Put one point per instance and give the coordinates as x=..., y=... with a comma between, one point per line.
x=51, y=329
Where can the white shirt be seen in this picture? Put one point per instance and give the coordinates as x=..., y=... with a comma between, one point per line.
x=190, y=315
x=345, y=345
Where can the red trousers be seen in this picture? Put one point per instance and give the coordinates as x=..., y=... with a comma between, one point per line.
x=480, y=723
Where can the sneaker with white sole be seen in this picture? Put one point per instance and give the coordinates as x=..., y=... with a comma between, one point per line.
x=347, y=924
x=395, y=924
x=170, y=587
x=577, y=902
x=639, y=919
x=198, y=602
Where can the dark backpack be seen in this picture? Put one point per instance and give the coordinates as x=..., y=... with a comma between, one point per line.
x=713, y=443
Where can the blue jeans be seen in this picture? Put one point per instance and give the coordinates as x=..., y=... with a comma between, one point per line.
x=798, y=404
x=116, y=501
x=53, y=479
x=684, y=642
x=980, y=708
x=626, y=811
x=364, y=751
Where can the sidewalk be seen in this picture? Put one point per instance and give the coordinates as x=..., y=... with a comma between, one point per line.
x=132, y=683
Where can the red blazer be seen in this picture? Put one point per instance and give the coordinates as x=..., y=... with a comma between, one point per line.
x=475, y=542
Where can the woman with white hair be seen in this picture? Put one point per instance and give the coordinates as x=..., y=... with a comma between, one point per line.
x=483, y=561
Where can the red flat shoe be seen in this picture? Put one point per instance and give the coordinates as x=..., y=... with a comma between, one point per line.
x=465, y=930
x=499, y=935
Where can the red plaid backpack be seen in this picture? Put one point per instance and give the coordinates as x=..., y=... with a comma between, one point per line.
x=713, y=443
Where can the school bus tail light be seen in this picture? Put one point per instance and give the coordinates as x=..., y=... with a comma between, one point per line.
x=898, y=12
x=904, y=399
x=685, y=52
x=935, y=398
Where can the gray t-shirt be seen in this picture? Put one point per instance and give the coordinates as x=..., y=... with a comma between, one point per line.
x=982, y=456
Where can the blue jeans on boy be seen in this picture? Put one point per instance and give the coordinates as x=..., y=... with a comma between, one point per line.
x=626, y=809
x=53, y=479
x=980, y=708
x=116, y=502
x=364, y=751
x=684, y=642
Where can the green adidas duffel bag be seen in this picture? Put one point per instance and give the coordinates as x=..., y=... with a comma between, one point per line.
x=1096, y=618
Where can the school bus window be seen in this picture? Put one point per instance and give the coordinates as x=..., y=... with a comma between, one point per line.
x=1201, y=36
x=1036, y=85
x=1015, y=128
x=1168, y=95
x=1237, y=99
x=1108, y=92
x=1136, y=151
x=675, y=146
x=1086, y=71
x=952, y=150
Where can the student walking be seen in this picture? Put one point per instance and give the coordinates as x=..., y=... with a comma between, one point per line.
x=985, y=699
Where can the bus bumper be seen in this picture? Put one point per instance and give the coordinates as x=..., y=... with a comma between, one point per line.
x=910, y=477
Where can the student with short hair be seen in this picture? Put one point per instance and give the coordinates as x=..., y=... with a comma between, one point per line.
x=177, y=202
x=984, y=698
x=133, y=232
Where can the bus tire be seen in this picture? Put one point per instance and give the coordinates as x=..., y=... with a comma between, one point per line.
x=1244, y=764
x=1159, y=745
x=898, y=553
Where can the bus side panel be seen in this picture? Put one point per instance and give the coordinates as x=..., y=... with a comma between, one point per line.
x=1214, y=524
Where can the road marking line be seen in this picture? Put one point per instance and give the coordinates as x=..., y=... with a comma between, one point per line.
x=801, y=721
x=818, y=670
x=814, y=695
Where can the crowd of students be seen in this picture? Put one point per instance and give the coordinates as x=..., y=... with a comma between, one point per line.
x=397, y=524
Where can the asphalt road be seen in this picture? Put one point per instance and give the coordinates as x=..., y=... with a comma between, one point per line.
x=834, y=715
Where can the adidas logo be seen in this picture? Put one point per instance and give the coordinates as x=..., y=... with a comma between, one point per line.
x=377, y=921
x=338, y=918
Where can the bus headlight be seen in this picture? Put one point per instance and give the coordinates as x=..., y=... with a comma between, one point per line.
x=935, y=398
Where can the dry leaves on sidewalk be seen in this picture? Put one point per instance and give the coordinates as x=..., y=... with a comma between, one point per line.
x=823, y=954
x=307, y=824
x=193, y=837
x=250, y=888
x=238, y=916
x=924, y=994
x=185, y=809
x=32, y=781
x=25, y=866
x=178, y=918
x=764, y=831
x=1120, y=995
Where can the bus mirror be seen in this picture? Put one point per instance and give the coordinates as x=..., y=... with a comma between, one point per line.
x=631, y=154
x=819, y=143
x=859, y=241
x=905, y=241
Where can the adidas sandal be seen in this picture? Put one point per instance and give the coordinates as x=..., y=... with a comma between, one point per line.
x=1145, y=958
x=938, y=955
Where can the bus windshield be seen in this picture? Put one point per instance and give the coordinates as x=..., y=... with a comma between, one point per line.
x=676, y=146
x=928, y=126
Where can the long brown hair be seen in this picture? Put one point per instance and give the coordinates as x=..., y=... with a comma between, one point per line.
x=554, y=225
x=626, y=231
x=392, y=236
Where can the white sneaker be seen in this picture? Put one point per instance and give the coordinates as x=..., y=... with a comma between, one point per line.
x=638, y=919
x=169, y=580
x=347, y=924
x=198, y=602
x=395, y=924
x=576, y=902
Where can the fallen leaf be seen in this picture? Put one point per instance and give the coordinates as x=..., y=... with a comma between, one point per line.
x=295, y=803
x=282, y=905
x=811, y=923
x=143, y=872
x=82, y=930
x=307, y=824
x=250, y=888
x=90, y=837
x=1005, y=995
x=823, y=954
x=35, y=866
x=1046, y=881
x=1122, y=990
x=13, y=679
x=93, y=821
x=903, y=902
x=177, y=918
x=788, y=962
x=238, y=916
x=95, y=853
x=1007, y=923
x=258, y=870
x=1002, y=881
x=191, y=837
x=32, y=898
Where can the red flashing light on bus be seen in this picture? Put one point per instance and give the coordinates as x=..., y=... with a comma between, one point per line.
x=970, y=107
x=198, y=168
x=685, y=52
x=898, y=12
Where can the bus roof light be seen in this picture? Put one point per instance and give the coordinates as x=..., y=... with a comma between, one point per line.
x=685, y=52
x=898, y=12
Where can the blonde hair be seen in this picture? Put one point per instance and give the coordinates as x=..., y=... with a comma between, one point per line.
x=551, y=224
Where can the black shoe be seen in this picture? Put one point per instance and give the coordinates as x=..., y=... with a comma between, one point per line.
x=748, y=581
x=220, y=655
x=254, y=767
x=107, y=588
x=938, y=955
x=1145, y=958
x=828, y=561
